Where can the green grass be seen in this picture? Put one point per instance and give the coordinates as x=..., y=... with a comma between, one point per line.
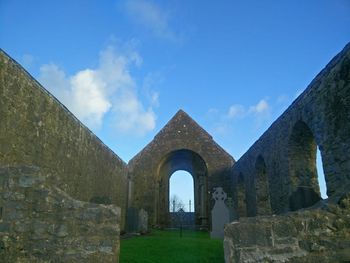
x=169, y=247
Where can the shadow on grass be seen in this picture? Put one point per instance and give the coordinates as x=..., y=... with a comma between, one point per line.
x=168, y=247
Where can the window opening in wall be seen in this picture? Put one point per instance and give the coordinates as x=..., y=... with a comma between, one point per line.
x=303, y=170
x=320, y=175
x=181, y=192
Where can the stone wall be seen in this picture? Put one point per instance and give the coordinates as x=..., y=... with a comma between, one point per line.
x=180, y=145
x=314, y=235
x=36, y=129
x=278, y=173
x=41, y=223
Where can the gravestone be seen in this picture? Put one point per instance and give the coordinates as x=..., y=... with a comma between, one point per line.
x=132, y=220
x=143, y=221
x=220, y=215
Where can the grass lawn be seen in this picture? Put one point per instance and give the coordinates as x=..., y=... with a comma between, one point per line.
x=168, y=246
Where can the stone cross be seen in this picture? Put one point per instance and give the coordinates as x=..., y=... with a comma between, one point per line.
x=220, y=214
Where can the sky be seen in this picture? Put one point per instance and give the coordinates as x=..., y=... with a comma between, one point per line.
x=124, y=68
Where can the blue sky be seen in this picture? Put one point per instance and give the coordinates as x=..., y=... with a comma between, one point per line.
x=124, y=68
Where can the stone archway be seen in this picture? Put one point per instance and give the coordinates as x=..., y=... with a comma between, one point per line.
x=194, y=164
x=181, y=145
x=302, y=167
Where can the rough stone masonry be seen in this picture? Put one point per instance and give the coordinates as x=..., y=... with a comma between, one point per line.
x=49, y=161
x=60, y=186
x=278, y=175
x=41, y=223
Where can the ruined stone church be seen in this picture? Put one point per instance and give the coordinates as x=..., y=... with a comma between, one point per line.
x=65, y=196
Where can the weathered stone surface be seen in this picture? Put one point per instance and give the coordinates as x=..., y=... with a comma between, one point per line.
x=137, y=220
x=36, y=129
x=40, y=222
x=313, y=235
x=278, y=173
x=67, y=230
x=181, y=145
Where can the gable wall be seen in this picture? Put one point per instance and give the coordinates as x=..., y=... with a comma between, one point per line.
x=180, y=133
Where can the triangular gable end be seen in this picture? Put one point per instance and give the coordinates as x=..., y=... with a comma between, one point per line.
x=180, y=127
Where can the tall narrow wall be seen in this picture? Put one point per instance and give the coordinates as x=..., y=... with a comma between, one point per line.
x=35, y=129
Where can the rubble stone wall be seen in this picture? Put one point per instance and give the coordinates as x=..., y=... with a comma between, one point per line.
x=41, y=223
x=314, y=235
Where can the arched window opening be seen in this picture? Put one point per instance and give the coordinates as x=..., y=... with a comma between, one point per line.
x=320, y=175
x=181, y=192
x=302, y=168
x=263, y=206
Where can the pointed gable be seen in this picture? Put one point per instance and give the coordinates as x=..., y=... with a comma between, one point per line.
x=181, y=132
x=182, y=144
x=181, y=122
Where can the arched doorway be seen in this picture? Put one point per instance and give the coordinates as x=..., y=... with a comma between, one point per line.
x=181, y=192
x=305, y=190
x=181, y=200
x=194, y=164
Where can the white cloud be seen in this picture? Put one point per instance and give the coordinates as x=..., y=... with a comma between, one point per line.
x=130, y=114
x=261, y=107
x=89, y=100
x=92, y=93
x=149, y=83
x=235, y=111
x=155, y=98
x=150, y=16
x=239, y=111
